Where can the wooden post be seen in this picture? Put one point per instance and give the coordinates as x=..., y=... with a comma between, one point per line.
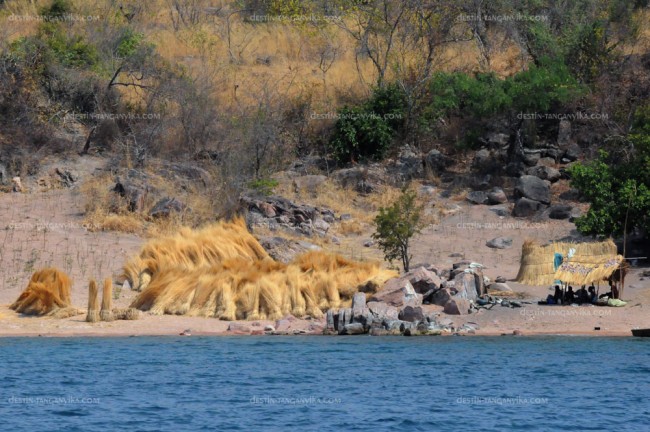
x=627, y=213
x=106, y=313
x=93, y=305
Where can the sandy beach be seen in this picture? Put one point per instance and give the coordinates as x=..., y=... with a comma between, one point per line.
x=47, y=229
x=530, y=320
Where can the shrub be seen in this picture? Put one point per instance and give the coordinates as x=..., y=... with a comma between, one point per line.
x=618, y=188
x=360, y=134
x=543, y=87
x=367, y=131
x=590, y=52
x=263, y=185
x=57, y=9
x=128, y=43
x=462, y=94
x=71, y=51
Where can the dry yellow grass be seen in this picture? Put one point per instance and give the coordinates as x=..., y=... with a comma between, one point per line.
x=93, y=302
x=48, y=290
x=263, y=289
x=107, y=211
x=223, y=272
x=352, y=227
x=193, y=248
x=294, y=51
x=106, y=313
x=126, y=223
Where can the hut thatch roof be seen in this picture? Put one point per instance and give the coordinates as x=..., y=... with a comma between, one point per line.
x=581, y=273
x=537, y=261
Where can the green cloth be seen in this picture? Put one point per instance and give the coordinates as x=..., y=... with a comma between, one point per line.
x=616, y=302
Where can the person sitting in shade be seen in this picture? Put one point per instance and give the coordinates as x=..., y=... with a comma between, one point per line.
x=582, y=296
x=570, y=296
x=557, y=297
x=613, y=291
x=593, y=297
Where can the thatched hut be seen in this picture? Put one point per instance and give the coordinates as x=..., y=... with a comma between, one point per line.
x=583, y=263
x=574, y=272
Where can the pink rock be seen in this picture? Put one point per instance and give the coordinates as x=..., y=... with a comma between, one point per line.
x=383, y=311
x=422, y=280
x=239, y=328
x=399, y=293
x=267, y=209
x=282, y=325
x=458, y=306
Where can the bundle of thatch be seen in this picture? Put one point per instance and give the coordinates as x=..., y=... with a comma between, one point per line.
x=537, y=262
x=193, y=248
x=250, y=285
x=47, y=292
x=93, y=302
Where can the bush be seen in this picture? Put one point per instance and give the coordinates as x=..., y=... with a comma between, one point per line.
x=396, y=225
x=128, y=43
x=367, y=131
x=360, y=134
x=263, y=186
x=617, y=188
x=590, y=52
x=483, y=95
x=543, y=87
x=57, y=9
x=462, y=94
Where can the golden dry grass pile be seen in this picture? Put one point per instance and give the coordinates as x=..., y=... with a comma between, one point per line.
x=242, y=282
x=93, y=305
x=191, y=249
x=48, y=290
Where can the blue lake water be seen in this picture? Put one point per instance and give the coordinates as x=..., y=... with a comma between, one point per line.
x=324, y=383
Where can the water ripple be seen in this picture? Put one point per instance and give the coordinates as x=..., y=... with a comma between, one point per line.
x=310, y=383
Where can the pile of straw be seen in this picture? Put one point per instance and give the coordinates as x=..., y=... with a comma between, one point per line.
x=47, y=292
x=228, y=275
x=193, y=249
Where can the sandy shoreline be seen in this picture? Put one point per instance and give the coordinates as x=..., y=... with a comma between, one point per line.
x=533, y=320
x=221, y=334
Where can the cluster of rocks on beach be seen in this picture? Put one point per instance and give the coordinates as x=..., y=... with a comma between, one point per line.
x=419, y=303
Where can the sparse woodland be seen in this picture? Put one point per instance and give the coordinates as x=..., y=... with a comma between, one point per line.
x=243, y=88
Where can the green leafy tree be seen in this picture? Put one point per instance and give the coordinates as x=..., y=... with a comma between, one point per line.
x=396, y=225
x=616, y=186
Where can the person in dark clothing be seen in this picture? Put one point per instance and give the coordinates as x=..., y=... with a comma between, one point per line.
x=593, y=298
x=569, y=296
x=557, y=297
x=582, y=296
x=613, y=291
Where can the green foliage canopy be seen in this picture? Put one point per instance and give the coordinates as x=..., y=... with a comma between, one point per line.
x=396, y=225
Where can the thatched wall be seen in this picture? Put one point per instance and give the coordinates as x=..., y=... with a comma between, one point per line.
x=537, y=261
